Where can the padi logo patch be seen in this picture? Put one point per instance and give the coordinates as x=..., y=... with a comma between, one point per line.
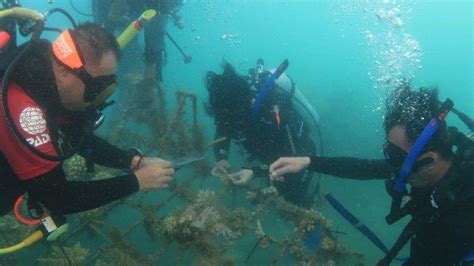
x=32, y=122
x=39, y=140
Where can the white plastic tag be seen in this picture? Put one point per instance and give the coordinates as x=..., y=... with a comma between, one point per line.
x=49, y=224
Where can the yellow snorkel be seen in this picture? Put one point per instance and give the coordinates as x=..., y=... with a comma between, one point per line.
x=131, y=31
x=51, y=227
x=48, y=228
x=124, y=39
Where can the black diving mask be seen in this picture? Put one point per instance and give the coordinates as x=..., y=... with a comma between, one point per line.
x=96, y=86
x=396, y=156
x=67, y=53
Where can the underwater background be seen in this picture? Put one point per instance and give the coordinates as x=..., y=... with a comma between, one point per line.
x=344, y=57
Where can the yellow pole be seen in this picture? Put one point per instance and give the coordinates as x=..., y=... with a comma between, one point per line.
x=131, y=31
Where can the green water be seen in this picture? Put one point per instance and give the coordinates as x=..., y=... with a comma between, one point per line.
x=336, y=64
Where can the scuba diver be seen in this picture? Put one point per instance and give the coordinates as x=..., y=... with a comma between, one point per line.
x=275, y=130
x=436, y=161
x=52, y=98
x=116, y=14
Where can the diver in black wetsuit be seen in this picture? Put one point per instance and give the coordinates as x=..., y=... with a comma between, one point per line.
x=117, y=14
x=277, y=130
x=442, y=182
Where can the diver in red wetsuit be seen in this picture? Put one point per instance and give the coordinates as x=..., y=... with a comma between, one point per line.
x=52, y=108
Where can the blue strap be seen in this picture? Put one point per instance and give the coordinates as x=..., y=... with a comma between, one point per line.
x=267, y=85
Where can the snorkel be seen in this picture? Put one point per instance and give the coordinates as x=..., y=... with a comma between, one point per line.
x=132, y=30
x=410, y=163
x=257, y=105
x=398, y=190
x=124, y=39
x=418, y=147
x=65, y=52
x=98, y=89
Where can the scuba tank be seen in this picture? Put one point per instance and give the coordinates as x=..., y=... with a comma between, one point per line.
x=284, y=83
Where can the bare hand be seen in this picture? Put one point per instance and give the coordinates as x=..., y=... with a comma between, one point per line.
x=288, y=165
x=242, y=177
x=146, y=161
x=154, y=173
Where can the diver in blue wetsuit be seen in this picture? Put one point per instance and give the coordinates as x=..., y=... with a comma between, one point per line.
x=276, y=130
x=441, y=200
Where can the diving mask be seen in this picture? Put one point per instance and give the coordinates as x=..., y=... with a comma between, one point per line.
x=396, y=156
x=98, y=89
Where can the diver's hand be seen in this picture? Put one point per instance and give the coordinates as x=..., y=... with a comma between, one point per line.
x=242, y=177
x=149, y=161
x=140, y=162
x=288, y=165
x=154, y=174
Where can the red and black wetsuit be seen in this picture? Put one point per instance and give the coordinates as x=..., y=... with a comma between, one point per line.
x=38, y=114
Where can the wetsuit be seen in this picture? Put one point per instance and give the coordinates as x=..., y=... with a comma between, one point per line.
x=38, y=114
x=443, y=234
x=276, y=131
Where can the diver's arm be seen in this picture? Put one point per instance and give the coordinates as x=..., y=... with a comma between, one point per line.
x=352, y=168
x=64, y=197
x=221, y=149
x=101, y=152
